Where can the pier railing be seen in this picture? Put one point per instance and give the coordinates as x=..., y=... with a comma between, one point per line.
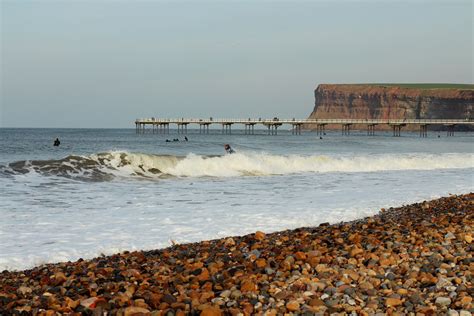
x=305, y=121
x=161, y=125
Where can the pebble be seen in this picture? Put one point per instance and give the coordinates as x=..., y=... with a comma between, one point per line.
x=443, y=301
x=24, y=290
x=211, y=311
x=391, y=302
x=293, y=306
x=225, y=294
x=260, y=235
x=468, y=238
x=135, y=311
x=236, y=294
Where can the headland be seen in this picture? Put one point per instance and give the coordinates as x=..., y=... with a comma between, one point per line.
x=394, y=101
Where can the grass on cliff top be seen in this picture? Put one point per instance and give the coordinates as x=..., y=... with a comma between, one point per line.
x=425, y=85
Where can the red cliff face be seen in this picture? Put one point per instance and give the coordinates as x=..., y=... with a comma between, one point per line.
x=379, y=102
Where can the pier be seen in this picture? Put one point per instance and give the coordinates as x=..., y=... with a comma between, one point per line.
x=162, y=126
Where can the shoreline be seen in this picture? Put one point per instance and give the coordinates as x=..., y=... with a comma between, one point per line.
x=414, y=258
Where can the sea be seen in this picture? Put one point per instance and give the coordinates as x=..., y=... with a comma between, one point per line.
x=104, y=191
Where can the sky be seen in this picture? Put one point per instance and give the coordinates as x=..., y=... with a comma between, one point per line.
x=104, y=63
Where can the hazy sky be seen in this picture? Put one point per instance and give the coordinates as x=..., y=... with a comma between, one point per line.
x=105, y=63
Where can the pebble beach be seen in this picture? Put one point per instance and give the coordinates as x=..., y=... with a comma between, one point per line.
x=410, y=260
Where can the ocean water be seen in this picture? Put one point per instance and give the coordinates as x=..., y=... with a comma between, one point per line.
x=104, y=191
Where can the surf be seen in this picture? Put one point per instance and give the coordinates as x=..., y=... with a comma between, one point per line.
x=120, y=164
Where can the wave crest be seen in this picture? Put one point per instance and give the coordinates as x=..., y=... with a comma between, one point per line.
x=110, y=165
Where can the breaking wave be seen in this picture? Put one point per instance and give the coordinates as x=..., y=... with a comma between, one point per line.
x=110, y=165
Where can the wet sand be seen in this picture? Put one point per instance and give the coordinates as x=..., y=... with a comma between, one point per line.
x=415, y=259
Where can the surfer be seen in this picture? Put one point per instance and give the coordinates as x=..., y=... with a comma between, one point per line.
x=228, y=149
x=185, y=138
x=56, y=142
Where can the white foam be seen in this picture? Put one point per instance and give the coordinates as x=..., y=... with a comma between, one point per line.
x=262, y=164
x=67, y=220
x=125, y=164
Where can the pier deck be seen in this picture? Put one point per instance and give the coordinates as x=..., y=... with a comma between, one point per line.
x=161, y=125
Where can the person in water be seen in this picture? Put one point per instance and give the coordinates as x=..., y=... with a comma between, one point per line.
x=185, y=138
x=56, y=142
x=229, y=149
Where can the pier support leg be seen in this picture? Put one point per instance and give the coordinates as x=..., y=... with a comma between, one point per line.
x=371, y=129
x=226, y=128
x=298, y=129
x=346, y=128
x=396, y=130
x=450, y=130
x=423, y=130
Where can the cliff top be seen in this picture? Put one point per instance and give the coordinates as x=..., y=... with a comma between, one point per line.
x=461, y=86
x=442, y=90
x=421, y=86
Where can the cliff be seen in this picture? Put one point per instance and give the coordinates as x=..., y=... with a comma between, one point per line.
x=367, y=101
